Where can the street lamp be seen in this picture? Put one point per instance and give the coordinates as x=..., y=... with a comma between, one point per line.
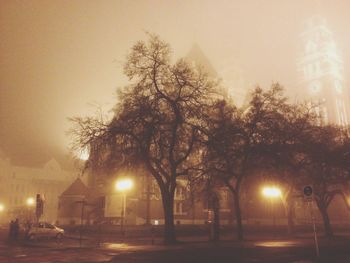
x=30, y=201
x=2, y=209
x=272, y=192
x=123, y=186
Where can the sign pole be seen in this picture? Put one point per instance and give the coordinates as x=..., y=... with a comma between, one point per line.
x=314, y=227
x=308, y=194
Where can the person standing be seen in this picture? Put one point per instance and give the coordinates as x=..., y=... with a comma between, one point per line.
x=16, y=229
x=11, y=228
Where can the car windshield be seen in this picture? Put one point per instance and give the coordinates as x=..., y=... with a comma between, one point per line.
x=43, y=225
x=50, y=226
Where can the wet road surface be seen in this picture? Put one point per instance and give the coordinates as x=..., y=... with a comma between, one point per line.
x=269, y=251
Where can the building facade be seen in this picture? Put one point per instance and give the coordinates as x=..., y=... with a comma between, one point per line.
x=19, y=186
x=143, y=205
x=321, y=73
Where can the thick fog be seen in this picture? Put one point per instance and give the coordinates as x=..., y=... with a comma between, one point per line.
x=58, y=58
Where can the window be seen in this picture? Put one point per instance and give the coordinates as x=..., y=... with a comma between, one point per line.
x=224, y=199
x=180, y=193
x=178, y=208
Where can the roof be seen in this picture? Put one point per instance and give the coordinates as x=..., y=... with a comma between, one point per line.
x=197, y=56
x=76, y=188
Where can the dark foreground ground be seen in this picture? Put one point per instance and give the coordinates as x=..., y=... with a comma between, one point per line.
x=282, y=251
x=256, y=248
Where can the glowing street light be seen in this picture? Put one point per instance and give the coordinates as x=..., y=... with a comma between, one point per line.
x=123, y=186
x=30, y=201
x=272, y=192
x=2, y=207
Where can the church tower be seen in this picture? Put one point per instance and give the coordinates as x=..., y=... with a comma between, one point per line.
x=321, y=73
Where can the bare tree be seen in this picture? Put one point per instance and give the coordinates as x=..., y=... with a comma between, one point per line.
x=302, y=152
x=237, y=140
x=156, y=122
x=326, y=170
x=284, y=154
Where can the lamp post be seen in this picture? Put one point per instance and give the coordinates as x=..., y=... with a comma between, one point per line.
x=2, y=207
x=272, y=193
x=30, y=203
x=123, y=185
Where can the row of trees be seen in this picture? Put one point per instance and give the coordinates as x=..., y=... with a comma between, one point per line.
x=172, y=122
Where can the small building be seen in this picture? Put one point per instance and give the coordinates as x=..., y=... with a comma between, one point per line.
x=71, y=203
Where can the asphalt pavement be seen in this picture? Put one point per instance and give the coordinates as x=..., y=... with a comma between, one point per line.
x=272, y=251
x=190, y=249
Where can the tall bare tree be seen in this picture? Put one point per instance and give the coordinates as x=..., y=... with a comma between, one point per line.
x=156, y=122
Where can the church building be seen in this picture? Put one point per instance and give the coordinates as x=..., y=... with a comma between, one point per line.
x=321, y=73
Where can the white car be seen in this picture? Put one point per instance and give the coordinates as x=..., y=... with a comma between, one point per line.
x=43, y=229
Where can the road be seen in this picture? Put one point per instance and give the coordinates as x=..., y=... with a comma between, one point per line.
x=269, y=251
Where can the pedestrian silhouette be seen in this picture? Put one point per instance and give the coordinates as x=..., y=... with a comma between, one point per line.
x=15, y=229
x=11, y=230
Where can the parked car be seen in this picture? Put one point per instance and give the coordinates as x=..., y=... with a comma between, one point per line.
x=44, y=230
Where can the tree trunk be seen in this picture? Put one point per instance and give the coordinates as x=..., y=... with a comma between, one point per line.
x=216, y=220
x=326, y=222
x=169, y=227
x=322, y=207
x=238, y=216
x=148, y=200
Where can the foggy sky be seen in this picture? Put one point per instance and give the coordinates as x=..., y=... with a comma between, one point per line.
x=59, y=57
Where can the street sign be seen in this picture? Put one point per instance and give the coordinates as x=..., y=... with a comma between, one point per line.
x=308, y=191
